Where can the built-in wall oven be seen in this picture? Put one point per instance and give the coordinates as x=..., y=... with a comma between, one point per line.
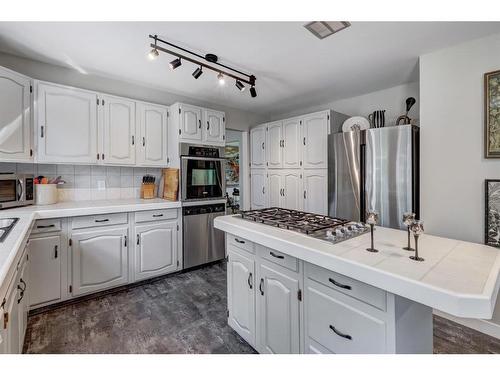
x=202, y=173
x=16, y=190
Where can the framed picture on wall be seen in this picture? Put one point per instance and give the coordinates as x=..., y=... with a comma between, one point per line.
x=492, y=213
x=492, y=114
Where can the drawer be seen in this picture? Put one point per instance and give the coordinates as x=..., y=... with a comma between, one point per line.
x=99, y=220
x=155, y=215
x=241, y=243
x=340, y=326
x=354, y=288
x=47, y=225
x=277, y=257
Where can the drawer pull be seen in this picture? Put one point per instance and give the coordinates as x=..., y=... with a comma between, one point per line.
x=158, y=215
x=239, y=241
x=348, y=337
x=138, y=239
x=101, y=221
x=56, y=254
x=261, y=287
x=343, y=286
x=276, y=255
x=250, y=285
x=46, y=226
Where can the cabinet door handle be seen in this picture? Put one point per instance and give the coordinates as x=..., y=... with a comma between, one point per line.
x=261, y=285
x=55, y=252
x=22, y=295
x=348, y=337
x=143, y=141
x=305, y=194
x=158, y=215
x=304, y=141
x=343, y=286
x=41, y=131
x=239, y=241
x=125, y=241
x=263, y=190
x=46, y=226
x=262, y=145
x=208, y=125
x=250, y=285
x=24, y=284
x=138, y=239
x=276, y=255
x=101, y=220
x=133, y=140
x=199, y=124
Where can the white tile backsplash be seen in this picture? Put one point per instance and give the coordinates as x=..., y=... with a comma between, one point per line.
x=82, y=180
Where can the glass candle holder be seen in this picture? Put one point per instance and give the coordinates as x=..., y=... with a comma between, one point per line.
x=372, y=219
x=408, y=218
x=417, y=227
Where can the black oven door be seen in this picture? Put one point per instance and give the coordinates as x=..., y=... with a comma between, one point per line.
x=202, y=178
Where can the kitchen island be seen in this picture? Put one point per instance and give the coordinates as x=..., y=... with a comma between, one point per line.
x=291, y=293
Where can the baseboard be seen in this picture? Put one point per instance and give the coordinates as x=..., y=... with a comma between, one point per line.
x=484, y=326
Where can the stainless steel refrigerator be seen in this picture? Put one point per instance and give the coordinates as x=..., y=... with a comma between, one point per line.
x=375, y=169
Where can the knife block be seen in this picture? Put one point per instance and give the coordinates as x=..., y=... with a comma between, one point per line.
x=147, y=191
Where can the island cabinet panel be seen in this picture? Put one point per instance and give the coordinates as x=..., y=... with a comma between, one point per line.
x=277, y=310
x=99, y=259
x=241, y=294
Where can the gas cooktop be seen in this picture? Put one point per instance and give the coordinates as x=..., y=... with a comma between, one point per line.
x=323, y=227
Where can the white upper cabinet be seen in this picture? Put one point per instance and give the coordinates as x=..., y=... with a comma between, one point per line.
x=315, y=192
x=152, y=142
x=274, y=145
x=315, y=140
x=258, y=189
x=155, y=250
x=214, y=131
x=66, y=124
x=292, y=146
x=15, y=119
x=118, y=130
x=190, y=123
x=258, y=146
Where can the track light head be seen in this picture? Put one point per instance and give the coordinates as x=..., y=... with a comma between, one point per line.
x=221, y=79
x=253, y=92
x=174, y=64
x=153, y=54
x=197, y=73
x=240, y=86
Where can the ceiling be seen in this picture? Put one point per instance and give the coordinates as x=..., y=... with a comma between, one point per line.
x=293, y=68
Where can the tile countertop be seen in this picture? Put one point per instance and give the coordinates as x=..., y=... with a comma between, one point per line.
x=11, y=248
x=457, y=277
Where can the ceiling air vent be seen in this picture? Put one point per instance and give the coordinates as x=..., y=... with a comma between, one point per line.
x=322, y=29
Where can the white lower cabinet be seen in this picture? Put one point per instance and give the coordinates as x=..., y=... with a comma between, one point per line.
x=155, y=249
x=99, y=259
x=315, y=193
x=277, y=310
x=241, y=294
x=45, y=274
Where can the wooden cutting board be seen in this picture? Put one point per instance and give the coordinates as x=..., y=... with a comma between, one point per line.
x=170, y=183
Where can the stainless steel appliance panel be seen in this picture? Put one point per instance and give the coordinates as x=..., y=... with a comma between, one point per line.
x=344, y=175
x=389, y=184
x=16, y=190
x=201, y=241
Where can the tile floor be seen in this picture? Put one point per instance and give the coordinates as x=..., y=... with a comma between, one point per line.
x=182, y=313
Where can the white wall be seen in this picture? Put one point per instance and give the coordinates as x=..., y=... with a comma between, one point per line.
x=453, y=168
x=235, y=118
x=391, y=99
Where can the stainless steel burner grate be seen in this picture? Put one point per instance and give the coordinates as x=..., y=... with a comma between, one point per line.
x=293, y=220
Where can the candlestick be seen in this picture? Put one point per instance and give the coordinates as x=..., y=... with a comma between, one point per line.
x=417, y=227
x=372, y=219
x=408, y=218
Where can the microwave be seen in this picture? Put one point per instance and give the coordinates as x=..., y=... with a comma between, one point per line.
x=16, y=190
x=202, y=173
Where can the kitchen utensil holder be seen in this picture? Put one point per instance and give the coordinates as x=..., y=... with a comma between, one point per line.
x=45, y=194
x=147, y=191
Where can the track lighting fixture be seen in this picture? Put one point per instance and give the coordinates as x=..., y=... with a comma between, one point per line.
x=197, y=73
x=253, y=92
x=208, y=61
x=221, y=79
x=174, y=64
x=240, y=86
x=153, y=54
